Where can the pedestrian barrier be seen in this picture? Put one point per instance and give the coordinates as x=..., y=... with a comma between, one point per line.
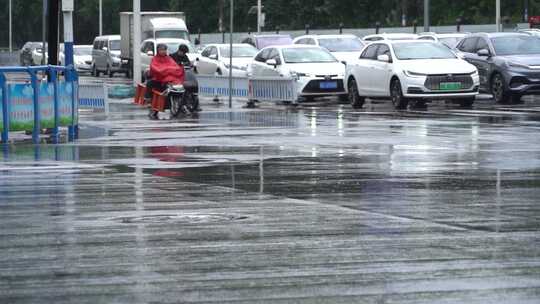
x=261, y=89
x=93, y=95
x=47, y=100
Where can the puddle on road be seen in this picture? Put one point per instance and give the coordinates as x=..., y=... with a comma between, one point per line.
x=193, y=218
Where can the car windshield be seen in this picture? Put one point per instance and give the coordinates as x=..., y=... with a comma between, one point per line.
x=178, y=34
x=172, y=47
x=263, y=42
x=516, y=45
x=422, y=50
x=307, y=55
x=341, y=44
x=238, y=51
x=451, y=42
x=115, y=45
x=82, y=51
x=406, y=37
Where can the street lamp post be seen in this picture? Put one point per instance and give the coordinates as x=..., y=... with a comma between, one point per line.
x=136, y=41
x=259, y=15
x=100, y=17
x=498, y=14
x=426, y=15
x=231, y=52
x=10, y=29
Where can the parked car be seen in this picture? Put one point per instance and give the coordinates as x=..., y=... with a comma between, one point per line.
x=389, y=36
x=215, y=59
x=82, y=57
x=413, y=69
x=533, y=32
x=343, y=47
x=508, y=64
x=450, y=40
x=262, y=41
x=317, y=71
x=106, y=56
x=149, y=49
x=25, y=54
x=37, y=54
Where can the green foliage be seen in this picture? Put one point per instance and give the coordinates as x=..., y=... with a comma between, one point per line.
x=287, y=14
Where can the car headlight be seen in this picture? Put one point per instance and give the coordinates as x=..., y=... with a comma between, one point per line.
x=413, y=74
x=474, y=73
x=517, y=65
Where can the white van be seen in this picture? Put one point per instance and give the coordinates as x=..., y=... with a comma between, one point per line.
x=106, y=56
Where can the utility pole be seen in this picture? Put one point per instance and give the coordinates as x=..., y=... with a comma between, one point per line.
x=43, y=32
x=136, y=41
x=498, y=14
x=259, y=16
x=231, y=52
x=525, y=11
x=10, y=28
x=52, y=32
x=426, y=15
x=67, y=9
x=101, y=17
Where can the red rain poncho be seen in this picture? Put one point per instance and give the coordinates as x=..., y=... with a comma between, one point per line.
x=165, y=70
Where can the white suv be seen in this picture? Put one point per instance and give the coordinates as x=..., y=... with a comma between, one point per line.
x=410, y=70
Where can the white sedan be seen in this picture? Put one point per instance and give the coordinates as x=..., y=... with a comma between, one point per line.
x=344, y=47
x=215, y=59
x=413, y=69
x=317, y=72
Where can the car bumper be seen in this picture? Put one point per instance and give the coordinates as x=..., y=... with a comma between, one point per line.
x=422, y=87
x=83, y=67
x=524, y=83
x=317, y=86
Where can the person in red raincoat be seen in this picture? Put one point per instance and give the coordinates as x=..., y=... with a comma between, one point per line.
x=163, y=70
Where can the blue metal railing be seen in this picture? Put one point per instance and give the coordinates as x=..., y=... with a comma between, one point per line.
x=53, y=76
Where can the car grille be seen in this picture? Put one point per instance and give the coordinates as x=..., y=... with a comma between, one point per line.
x=433, y=82
x=314, y=87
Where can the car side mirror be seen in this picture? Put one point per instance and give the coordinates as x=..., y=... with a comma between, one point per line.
x=213, y=57
x=105, y=48
x=483, y=53
x=344, y=62
x=150, y=53
x=383, y=58
x=272, y=62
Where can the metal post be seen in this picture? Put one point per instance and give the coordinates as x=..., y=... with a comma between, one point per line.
x=341, y=25
x=426, y=15
x=498, y=14
x=415, y=26
x=52, y=31
x=307, y=29
x=136, y=41
x=37, y=114
x=5, y=109
x=231, y=29
x=100, y=17
x=525, y=10
x=67, y=9
x=54, y=79
x=377, y=27
x=10, y=28
x=259, y=14
x=43, y=31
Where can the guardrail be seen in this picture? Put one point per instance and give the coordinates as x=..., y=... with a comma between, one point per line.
x=50, y=102
x=94, y=95
x=261, y=89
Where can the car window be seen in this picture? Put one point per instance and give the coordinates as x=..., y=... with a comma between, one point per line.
x=468, y=45
x=274, y=54
x=426, y=38
x=481, y=45
x=516, y=45
x=383, y=50
x=213, y=51
x=421, y=50
x=301, y=41
x=262, y=56
x=370, y=52
x=206, y=52
x=307, y=55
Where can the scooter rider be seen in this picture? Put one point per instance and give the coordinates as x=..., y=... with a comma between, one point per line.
x=181, y=57
x=163, y=70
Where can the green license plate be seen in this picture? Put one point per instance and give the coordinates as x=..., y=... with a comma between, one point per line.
x=450, y=86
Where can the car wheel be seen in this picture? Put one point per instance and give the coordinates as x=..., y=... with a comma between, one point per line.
x=356, y=100
x=109, y=72
x=467, y=102
x=175, y=102
x=498, y=90
x=95, y=72
x=399, y=102
x=218, y=72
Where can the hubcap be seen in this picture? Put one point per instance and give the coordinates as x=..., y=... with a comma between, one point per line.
x=396, y=96
x=497, y=88
x=352, y=92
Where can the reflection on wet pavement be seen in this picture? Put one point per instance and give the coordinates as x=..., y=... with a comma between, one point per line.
x=278, y=205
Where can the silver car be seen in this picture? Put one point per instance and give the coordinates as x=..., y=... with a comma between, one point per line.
x=106, y=56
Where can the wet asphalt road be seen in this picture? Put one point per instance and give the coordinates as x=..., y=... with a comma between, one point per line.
x=316, y=204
